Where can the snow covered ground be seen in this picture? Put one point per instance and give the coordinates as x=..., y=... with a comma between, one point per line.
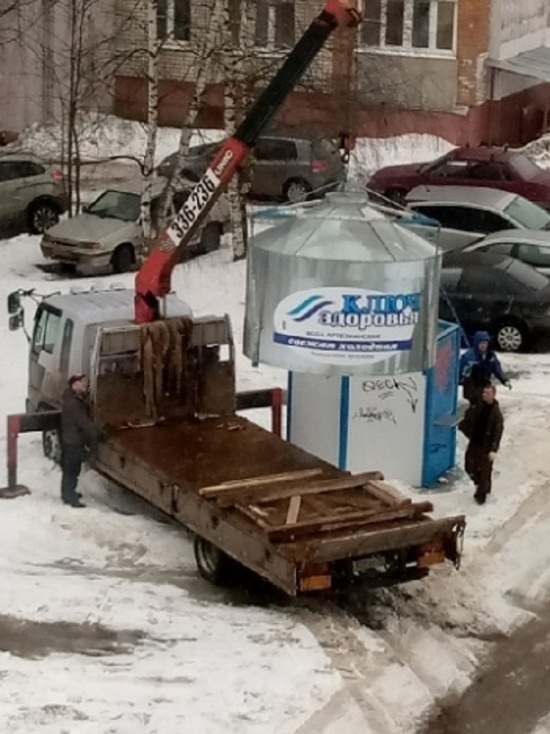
x=105, y=625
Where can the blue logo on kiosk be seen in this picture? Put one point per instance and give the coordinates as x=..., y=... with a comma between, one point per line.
x=339, y=324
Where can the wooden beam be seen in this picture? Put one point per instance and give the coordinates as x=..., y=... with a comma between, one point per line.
x=293, y=510
x=345, y=521
x=261, y=495
x=407, y=534
x=387, y=494
x=216, y=490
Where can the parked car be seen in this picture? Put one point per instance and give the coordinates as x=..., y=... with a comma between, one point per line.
x=283, y=168
x=108, y=232
x=508, y=170
x=531, y=246
x=498, y=294
x=31, y=193
x=467, y=213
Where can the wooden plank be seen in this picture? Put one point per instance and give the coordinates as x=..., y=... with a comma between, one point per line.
x=345, y=521
x=293, y=510
x=259, y=495
x=387, y=493
x=216, y=490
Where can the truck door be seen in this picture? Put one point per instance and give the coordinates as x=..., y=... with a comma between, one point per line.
x=46, y=381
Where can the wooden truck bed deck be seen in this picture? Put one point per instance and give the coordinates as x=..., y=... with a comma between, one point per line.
x=253, y=494
x=273, y=507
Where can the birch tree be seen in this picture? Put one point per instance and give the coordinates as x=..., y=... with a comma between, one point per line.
x=205, y=65
x=238, y=89
x=153, y=47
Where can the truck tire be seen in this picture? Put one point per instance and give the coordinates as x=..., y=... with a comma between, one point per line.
x=213, y=564
x=123, y=258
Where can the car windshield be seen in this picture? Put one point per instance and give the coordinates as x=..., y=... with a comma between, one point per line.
x=527, y=214
x=523, y=274
x=121, y=205
x=524, y=167
x=425, y=167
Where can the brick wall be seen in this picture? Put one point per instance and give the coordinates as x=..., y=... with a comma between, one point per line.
x=473, y=31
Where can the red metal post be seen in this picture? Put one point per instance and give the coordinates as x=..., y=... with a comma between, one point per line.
x=277, y=411
x=14, y=428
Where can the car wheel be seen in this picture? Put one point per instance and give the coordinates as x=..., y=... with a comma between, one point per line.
x=42, y=215
x=398, y=196
x=123, y=258
x=510, y=336
x=296, y=190
x=213, y=564
x=210, y=238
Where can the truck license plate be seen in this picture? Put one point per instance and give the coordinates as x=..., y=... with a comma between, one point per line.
x=362, y=565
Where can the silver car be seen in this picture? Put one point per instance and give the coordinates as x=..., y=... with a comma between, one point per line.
x=108, y=233
x=466, y=213
x=31, y=193
x=282, y=168
x=531, y=246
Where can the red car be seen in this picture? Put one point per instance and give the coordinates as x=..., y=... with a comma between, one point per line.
x=498, y=168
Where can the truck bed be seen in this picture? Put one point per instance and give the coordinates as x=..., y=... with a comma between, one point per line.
x=266, y=503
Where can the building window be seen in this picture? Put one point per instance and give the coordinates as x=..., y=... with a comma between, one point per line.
x=174, y=20
x=275, y=24
x=409, y=24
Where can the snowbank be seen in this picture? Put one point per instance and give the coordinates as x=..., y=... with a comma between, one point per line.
x=103, y=136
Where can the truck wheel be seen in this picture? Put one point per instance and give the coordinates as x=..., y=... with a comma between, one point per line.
x=213, y=564
x=123, y=258
x=51, y=445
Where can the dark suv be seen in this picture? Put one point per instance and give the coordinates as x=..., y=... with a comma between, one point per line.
x=498, y=168
x=283, y=168
x=31, y=193
x=498, y=294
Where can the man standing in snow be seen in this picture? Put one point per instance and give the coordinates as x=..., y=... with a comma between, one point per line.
x=477, y=366
x=79, y=436
x=483, y=426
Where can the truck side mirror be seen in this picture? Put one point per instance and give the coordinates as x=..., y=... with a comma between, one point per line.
x=14, y=302
x=17, y=320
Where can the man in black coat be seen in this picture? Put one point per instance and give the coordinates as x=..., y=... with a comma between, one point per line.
x=79, y=437
x=483, y=425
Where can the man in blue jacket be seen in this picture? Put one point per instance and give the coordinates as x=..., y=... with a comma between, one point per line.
x=478, y=366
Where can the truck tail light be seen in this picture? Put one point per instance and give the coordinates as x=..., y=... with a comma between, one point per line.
x=57, y=176
x=318, y=166
x=431, y=553
x=316, y=577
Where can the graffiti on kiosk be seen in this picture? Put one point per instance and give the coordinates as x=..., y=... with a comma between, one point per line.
x=375, y=415
x=343, y=324
x=388, y=387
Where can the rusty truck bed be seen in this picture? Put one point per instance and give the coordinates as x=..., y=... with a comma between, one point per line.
x=263, y=501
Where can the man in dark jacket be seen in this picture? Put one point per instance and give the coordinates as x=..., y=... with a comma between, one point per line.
x=478, y=366
x=79, y=437
x=483, y=426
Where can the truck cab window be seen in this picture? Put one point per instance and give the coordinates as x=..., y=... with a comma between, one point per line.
x=46, y=330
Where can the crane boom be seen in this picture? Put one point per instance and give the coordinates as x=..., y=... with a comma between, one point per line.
x=153, y=281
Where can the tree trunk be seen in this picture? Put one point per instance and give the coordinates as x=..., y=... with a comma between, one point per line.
x=235, y=103
x=205, y=63
x=152, y=123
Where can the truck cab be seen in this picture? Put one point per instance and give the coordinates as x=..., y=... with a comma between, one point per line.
x=64, y=334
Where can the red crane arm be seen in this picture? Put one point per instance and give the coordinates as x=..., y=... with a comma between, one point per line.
x=154, y=278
